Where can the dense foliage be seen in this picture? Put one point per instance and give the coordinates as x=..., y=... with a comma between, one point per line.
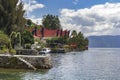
x=29, y=22
x=27, y=37
x=51, y=22
x=11, y=16
x=15, y=39
x=79, y=40
x=4, y=40
x=76, y=41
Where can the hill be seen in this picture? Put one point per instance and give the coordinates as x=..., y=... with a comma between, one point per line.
x=104, y=41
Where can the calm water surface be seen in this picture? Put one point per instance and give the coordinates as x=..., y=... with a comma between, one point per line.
x=94, y=64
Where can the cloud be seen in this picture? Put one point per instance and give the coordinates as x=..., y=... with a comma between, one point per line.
x=102, y=19
x=30, y=5
x=75, y=2
x=35, y=20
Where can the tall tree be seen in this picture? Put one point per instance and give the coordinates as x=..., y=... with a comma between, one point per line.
x=11, y=16
x=51, y=22
x=74, y=33
x=79, y=40
x=27, y=37
x=29, y=22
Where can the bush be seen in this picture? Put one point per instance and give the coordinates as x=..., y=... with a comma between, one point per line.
x=1, y=52
x=13, y=51
x=38, y=49
x=28, y=46
x=4, y=51
x=66, y=46
x=40, y=43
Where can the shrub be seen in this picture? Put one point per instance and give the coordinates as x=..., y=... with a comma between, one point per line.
x=13, y=51
x=1, y=52
x=4, y=51
x=28, y=46
x=66, y=46
x=38, y=49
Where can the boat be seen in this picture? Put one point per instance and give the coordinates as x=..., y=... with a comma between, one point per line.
x=45, y=51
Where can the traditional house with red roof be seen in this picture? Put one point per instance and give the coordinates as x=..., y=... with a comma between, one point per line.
x=49, y=33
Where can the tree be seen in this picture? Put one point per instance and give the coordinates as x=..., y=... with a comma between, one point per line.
x=62, y=40
x=74, y=33
x=27, y=37
x=51, y=22
x=86, y=42
x=29, y=22
x=79, y=40
x=11, y=16
x=73, y=39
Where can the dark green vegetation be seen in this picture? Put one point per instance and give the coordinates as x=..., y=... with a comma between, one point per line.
x=74, y=42
x=29, y=22
x=78, y=41
x=15, y=39
x=11, y=16
x=51, y=22
x=12, y=22
x=4, y=39
x=27, y=37
x=4, y=42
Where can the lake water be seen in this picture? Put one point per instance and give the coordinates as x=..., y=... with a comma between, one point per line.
x=94, y=64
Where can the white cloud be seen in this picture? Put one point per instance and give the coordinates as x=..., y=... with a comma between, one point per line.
x=35, y=6
x=35, y=20
x=30, y=5
x=34, y=1
x=103, y=19
x=75, y=2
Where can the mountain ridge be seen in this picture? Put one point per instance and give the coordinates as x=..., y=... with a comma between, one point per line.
x=106, y=41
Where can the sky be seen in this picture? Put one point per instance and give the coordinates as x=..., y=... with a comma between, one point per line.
x=91, y=17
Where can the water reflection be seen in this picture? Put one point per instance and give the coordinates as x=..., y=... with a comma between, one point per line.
x=10, y=76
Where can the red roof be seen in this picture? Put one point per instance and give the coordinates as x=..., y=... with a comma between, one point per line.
x=50, y=33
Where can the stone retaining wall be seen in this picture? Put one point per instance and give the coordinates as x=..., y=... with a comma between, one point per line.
x=39, y=62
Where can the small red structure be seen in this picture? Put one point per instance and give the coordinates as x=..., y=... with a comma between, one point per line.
x=73, y=45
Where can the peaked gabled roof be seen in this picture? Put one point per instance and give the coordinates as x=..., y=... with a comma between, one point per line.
x=49, y=32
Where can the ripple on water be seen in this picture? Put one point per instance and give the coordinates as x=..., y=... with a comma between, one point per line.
x=94, y=64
